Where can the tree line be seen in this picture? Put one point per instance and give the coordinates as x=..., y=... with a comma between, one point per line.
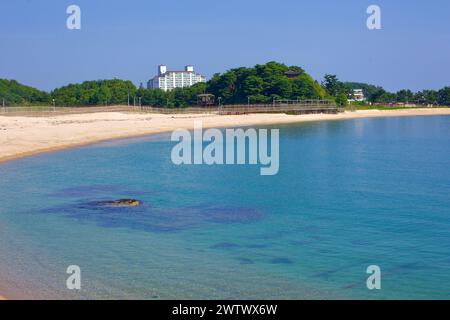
x=259, y=84
x=14, y=93
x=376, y=94
x=342, y=91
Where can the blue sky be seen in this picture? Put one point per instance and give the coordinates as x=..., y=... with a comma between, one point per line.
x=128, y=39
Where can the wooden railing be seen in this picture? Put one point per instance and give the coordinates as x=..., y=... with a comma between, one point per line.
x=282, y=106
x=297, y=107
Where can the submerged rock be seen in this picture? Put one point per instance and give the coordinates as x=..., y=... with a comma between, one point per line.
x=120, y=203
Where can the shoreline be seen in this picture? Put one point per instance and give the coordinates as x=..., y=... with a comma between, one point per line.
x=29, y=136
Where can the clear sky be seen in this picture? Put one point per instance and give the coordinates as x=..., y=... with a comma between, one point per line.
x=128, y=39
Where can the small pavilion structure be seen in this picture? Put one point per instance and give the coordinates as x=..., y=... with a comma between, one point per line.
x=292, y=73
x=205, y=100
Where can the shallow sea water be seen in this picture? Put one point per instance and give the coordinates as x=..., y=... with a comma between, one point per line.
x=349, y=194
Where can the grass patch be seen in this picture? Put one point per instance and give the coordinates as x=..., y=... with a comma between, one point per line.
x=369, y=107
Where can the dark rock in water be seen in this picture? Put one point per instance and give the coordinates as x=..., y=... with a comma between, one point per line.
x=120, y=203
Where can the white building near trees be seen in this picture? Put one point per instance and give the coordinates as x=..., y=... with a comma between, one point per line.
x=168, y=80
x=358, y=95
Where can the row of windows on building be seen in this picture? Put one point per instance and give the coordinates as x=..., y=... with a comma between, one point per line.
x=168, y=80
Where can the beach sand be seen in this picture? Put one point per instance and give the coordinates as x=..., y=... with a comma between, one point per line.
x=26, y=136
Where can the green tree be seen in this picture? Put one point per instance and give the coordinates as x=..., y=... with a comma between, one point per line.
x=262, y=83
x=337, y=89
x=252, y=86
x=444, y=96
x=97, y=92
x=304, y=87
x=332, y=85
x=405, y=96
x=15, y=93
x=341, y=99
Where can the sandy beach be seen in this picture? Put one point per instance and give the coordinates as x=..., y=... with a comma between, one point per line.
x=26, y=136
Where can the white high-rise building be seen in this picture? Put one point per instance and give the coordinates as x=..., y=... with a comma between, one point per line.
x=168, y=80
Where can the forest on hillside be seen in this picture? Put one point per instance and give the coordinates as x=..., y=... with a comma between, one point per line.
x=14, y=93
x=258, y=84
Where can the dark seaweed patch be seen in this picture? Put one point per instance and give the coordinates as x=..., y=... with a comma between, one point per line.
x=281, y=261
x=257, y=246
x=327, y=274
x=301, y=242
x=245, y=261
x=225, y=245
x=148, y=218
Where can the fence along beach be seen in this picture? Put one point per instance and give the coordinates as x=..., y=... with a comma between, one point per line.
x=278, y=106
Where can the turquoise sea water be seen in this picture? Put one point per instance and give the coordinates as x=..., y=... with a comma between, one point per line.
x=349, y=194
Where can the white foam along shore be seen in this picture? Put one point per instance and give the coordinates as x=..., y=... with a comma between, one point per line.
x=22, y=136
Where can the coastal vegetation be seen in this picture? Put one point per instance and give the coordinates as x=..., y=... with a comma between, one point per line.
x=101, y=92
x=263, y=83
x=376, y=94
x=259, y=84
x=14, y=93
